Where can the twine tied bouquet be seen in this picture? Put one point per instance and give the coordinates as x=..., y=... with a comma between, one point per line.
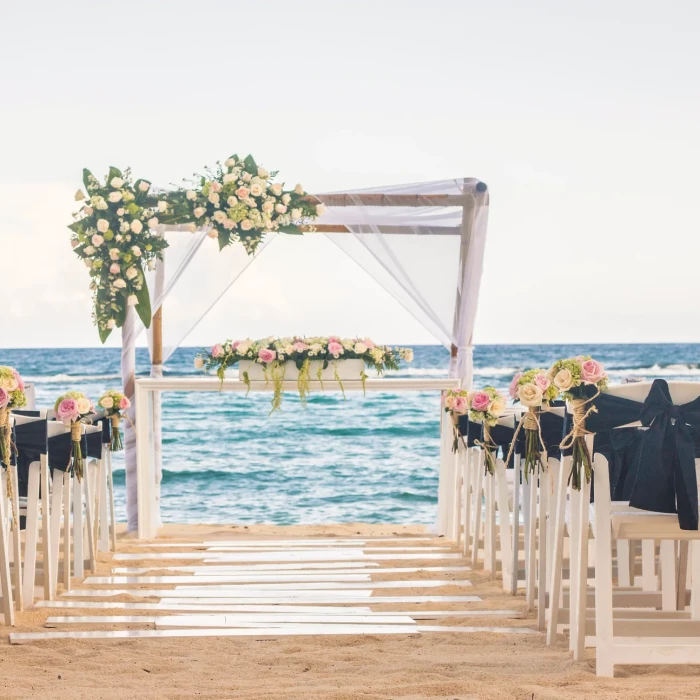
x=11, y=396
x=486, y=407
x=580, y=380
x=456, y=404
x=535, y=390
x=114, y=402
x=70, y=409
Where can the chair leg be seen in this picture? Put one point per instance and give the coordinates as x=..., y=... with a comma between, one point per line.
x=557, y=553
x=582, y=599
x=88, y=486
x=110, y=489
x=667, y=562
x=695, y=580
x=531, y=542
x=31, y=533
x=504, y=524
x=542, y=550
x=649, y=565
x=5, y=581
x=515, y=551
x=466, y=499
x=682, y=586
x=478, y=506
x=574, y=524
x=623, y=563
x=48, y=562
x=603, y=592
x=55, y=537
x=16, y=543
x=67, y=502
x=78, y=549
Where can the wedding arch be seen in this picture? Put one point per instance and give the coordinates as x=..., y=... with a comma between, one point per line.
x=423, y=243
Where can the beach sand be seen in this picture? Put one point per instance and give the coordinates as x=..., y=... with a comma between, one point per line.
x=432, y=665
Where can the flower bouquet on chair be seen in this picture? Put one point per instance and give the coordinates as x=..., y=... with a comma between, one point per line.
x=535, y=390
x=486, y=407
x=11, y=396
x=580, y=380
x=456, y=404
x=70, y=409
x=114, y=402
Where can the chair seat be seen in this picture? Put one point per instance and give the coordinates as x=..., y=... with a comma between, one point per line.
x=635, y=524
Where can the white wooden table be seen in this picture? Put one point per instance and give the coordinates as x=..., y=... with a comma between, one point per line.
x=148, y=505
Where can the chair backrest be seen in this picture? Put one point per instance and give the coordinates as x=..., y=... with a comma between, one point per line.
x=57, y=428
x=681, y=392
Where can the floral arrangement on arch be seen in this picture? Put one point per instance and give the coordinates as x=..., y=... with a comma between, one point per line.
x=114, y=402
x=70, y=408
x=309, y=356
x=240, y=202
x=535, y=390
x=580, y=379
x=113, y=233
x=11, y=396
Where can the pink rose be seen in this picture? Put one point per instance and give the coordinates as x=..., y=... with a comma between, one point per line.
x=4, y=397
x=542, y=382
x=114, y=269
x=124, y=403
x=460, y=404
x=267, y=355
x=481, y=401
x=369, y=343
x=333, y=339
x=67, y=411
x=592, y=372
x=450, y=401
x=299, y=346
x=217, y=350
x=335, y=348
x=242, y=193
x=513, y=390
x=216, y=186
x=18, y=379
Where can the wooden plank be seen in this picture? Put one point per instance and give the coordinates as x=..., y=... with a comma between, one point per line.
x=289, y=569
x=224, y=557
x=254, y=594
x=374, y=600
x=226, y=578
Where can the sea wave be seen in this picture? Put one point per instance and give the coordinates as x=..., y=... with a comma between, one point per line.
x=672, y=370
x=67, y=378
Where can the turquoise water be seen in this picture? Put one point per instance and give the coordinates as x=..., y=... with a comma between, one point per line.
x=372, y=459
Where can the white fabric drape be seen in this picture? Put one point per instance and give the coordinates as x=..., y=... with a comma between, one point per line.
x=128, y=370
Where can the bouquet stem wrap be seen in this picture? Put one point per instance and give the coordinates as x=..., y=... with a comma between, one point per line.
x=489, y=450
x=534, y=444
x=116, y=443
x=6, y=454
x=76, y=453
x=576, y=440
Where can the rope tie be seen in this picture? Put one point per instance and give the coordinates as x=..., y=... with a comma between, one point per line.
x=114, y=420
x=75, y=432
x=489, y=448
x=576, y=440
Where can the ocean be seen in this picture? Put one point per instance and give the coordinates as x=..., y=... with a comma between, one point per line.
x=371, y=459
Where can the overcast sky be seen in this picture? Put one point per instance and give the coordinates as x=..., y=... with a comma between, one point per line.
x=582, y=117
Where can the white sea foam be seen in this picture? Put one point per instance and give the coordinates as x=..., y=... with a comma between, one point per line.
x=691, y=370
x=68, y=378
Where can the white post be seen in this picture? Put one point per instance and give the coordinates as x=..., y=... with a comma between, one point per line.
x=128, y=369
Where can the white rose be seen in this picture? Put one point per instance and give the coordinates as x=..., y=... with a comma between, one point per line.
x=115, y=196
x=229, y=177
x=191, y=194
x=263, y=173
x=280, y=208
x=120, y=212
x=498, y=406
x=268, y=206
x=230, y=162
x=219, y=216
x=106, y=402
x=229, y=224
x=360, y=348
x=408, y=355
x=153, y=222
x=111, y=323
x=116, y=182
x=131, y=273
x=296, y=214
x=136, y=250
x=246, y=177
x=298, y=189
x=320, y=208
x=114, y=253
x=246, y=224
x=143, y=186
x=563, y=380
x=232, y=201
x=276, y=189
x=132, y=300
x=119, y=283
x=214, y=197
x=136, y=226
x=530, y=395
x=97, y=240
x=102, y=225
x=256, y=190
x=286, y=199
x=123, y=227
x=198, y=362
x=200, y=212
x=83, y=405
x=89, y=250
x=162, y=206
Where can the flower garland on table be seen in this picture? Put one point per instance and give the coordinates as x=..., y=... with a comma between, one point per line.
x=114, y=402
x=240, y=202
x=534, y=389
x=273, y=354
x=114, y=235
x=70, y=409
x=580, y=379
x=11, y=396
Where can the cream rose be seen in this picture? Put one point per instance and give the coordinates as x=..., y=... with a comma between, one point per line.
x=296, y=214
x=230, y=162
x=530, y=395
x=132, y=300
x=498, y=406
x=360, y=348
x=143, y=186
x=136, y=226
x=199, y=212
x=116, y=182
x=229, y=177
x=131, y=273
x=191, y=194
x=298, y=189
x=106, y=402
x=214, y=197
x=83, y=405
x=153, y=222
x=246, y=224
x=102, y=225
x=563, y=380
x=198, y=362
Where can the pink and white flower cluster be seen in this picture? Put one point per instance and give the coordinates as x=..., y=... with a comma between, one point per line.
x=298, y=350
x=572, y=375
x=113, y=401
x=486, y=405
x=11, y=388
x=533, y=388
x=72, y=406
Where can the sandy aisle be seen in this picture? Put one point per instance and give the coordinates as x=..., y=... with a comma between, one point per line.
x=463, y=666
